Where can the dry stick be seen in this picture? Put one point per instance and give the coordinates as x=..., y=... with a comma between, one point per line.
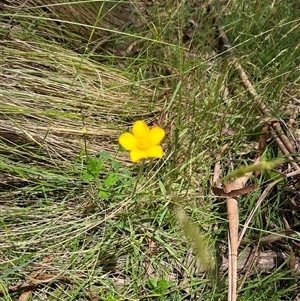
x=233, y=234
x=284, y=145
x=293, y=173
x=281, y=139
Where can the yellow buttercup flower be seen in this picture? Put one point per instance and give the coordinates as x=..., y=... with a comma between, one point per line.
x=143, y=142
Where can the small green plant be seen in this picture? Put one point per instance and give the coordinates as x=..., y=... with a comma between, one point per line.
x=158, y=287
x=105, y=172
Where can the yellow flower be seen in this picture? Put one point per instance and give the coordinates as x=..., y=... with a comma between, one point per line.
x=143, y=143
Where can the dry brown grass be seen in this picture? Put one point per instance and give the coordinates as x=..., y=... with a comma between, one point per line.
x=49, y=94
x=77, y=23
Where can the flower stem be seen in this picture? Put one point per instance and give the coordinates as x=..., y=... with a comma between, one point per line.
x=142, y=166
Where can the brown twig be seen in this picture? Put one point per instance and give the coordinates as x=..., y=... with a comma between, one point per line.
x=233, y=234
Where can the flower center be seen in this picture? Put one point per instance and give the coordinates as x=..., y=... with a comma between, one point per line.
x=143, y=143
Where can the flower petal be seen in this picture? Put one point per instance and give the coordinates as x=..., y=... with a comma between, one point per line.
x=128, y=141
x=140, y=129
x=155, y=151
x=137, y=154
x=156, y=135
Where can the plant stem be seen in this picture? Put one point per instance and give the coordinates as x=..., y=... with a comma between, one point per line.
x=142, y=166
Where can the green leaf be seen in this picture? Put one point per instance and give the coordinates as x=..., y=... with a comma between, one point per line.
x=162, y=286
x=87, y=177
x=158, y=286
x=94, y=166
x=152, y=283
x=111, y=180
x=115, y=165
x=103, y=194
x=104, y=155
